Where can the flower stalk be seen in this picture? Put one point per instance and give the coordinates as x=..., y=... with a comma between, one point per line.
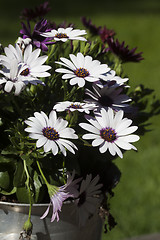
x=27, y=227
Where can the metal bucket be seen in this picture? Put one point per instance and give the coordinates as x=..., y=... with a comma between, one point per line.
x=13, y=216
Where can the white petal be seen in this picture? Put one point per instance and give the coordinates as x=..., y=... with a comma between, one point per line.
x=41, y=141
x=90, y=136
x=47, y=146
x=130, y=138
x=118, y=151
x=68, y=133
x=8, y=86
x=63, y=70
x=125, y=123
x=103, y=147
x=97, y=142
x=81, y=82
x=123, y=145
x=127, y=131
x=111, y=149
x=54, y=148
x=89, y=127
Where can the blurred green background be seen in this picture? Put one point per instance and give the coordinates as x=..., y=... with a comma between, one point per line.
x=136, y=204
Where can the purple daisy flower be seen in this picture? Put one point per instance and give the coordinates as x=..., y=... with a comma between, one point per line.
x=89, y=25
x=109, y=96
x=123, y=51
x=59, y=194
x=106, y=33
x=38, y=12
x=37, y=39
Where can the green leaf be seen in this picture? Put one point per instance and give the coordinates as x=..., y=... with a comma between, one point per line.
x=8, y=193
x=23, y=195
x=4, y=180
x=28, y=159
x=38, y=188
x=19, y=176
x=6, y=160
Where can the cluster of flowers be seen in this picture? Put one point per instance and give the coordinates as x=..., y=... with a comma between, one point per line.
x=105, y=108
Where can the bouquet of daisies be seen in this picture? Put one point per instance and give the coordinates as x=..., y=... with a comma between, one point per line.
x=66, y=112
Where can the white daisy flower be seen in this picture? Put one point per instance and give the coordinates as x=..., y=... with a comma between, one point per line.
x=63, y=34
x=74, y=106
x=108, y=96
x=34, y=68
x=81, y=69
x=23, y=42
x=13, y=77
x=110, y=132
x=89, y=199
x=51, y=132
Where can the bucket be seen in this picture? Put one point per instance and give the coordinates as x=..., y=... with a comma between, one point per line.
x=13, y=216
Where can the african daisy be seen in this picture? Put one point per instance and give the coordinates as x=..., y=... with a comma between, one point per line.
x=34, y=67
x=64, y=34
x=110, y=131
x=74, y=106
x=51, y=132
x=89, y=198
x=59, y=194
x=108, y=96
x=81, y=69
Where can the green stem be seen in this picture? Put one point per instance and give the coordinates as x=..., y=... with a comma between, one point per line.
x=42, y=173
x=28, y=187
x=50, y=53
x=52, y=190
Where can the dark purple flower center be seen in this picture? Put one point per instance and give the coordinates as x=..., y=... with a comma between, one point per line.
x=108, y=134
x=61, y=35
x=75, y=106
x=50, y=133
x=105, y=101
x=25, y=72
x=81, y=72
x=82, y=199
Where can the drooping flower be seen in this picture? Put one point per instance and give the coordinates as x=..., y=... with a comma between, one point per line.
x=59, y=194
x=110, y=131
x=89, y=199
x=74, y=106
x=108, y=96
x=36, y=37
x=38, y=12
x=123, y=51
x=82, y=68
x=65, y=34
x=51, y=132
x=33, y=67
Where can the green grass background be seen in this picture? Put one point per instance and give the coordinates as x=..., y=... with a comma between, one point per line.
x=136, y=204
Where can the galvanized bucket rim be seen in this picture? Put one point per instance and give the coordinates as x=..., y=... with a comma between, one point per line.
x=27, y=204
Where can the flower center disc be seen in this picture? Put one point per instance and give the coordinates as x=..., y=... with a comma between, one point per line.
x=75, y=106
x=61, y=35
x=25, y=72
x=105, y=101
x=50, y=133
x=81, y=72
x=108, y=134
